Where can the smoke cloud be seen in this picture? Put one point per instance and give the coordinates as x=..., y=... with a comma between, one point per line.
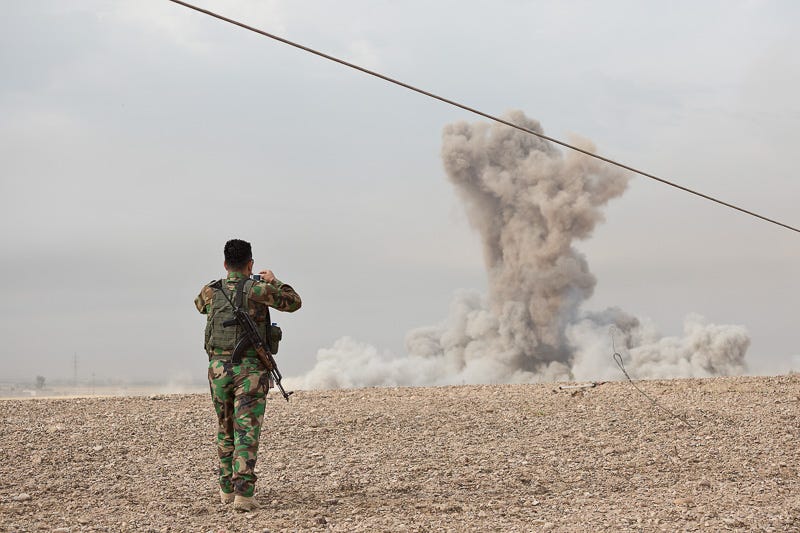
x=529, y=203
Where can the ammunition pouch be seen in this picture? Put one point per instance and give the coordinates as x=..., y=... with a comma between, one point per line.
x=274, y=336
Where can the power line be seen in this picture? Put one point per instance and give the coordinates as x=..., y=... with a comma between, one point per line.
x=478, y=112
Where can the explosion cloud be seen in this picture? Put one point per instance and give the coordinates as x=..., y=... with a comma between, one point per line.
x=529, y=203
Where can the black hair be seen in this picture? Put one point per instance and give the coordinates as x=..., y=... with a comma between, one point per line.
x=237, y=253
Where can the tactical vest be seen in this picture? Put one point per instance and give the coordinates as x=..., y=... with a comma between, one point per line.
x=219, y=337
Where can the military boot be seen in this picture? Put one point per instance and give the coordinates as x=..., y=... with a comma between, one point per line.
x=244, y=503
x=225, y=497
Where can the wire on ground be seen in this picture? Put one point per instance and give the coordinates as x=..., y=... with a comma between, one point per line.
x=621, y=365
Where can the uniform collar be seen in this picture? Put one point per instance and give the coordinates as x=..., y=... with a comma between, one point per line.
x=235, y=276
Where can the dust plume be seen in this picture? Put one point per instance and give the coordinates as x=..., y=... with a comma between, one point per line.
x=529, y=202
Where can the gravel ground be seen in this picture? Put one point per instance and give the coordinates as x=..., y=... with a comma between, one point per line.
x=506, y=457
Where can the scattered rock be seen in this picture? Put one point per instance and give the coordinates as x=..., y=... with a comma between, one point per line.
x=22, y=497
x=733, y=522
x=445, y=458
x=450, y=508
x=540, y=489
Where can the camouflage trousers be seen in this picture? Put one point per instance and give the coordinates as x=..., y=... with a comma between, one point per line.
x=239, y=400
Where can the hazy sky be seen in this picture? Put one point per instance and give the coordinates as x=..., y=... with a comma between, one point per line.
x=136, y=137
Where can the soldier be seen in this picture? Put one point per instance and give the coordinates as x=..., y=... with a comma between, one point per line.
x=239, y=390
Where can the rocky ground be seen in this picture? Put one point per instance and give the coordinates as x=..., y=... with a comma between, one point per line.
x=507, y=458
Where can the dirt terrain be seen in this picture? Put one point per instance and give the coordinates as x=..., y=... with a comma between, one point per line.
x=490, y=458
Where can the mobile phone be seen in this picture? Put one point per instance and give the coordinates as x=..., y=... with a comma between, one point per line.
x=256, y=277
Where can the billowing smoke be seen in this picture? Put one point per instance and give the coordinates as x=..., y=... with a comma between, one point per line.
x=529, y=202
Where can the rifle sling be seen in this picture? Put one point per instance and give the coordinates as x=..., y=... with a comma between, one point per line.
x=240, y=293
x=240, y=298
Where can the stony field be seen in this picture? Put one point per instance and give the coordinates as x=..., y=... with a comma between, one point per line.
x=487, y=458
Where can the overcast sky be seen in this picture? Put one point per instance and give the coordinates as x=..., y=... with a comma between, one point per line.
x=136, y=137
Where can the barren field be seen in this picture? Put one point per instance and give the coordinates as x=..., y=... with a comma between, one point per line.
x=491, y=458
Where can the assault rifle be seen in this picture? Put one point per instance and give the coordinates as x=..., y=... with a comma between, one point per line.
x=251, y=339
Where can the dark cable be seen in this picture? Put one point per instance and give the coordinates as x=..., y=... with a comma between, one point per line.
x=477, y=112
x=618, y=360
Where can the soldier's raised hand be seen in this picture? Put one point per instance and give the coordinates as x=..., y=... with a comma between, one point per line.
x=267, y=275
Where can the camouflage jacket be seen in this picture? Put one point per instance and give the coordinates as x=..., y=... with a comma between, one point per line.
x=262, y=294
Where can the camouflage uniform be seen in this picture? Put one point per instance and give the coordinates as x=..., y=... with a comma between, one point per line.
x=239, y=391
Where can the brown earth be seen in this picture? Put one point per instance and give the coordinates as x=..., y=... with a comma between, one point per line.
x=506, y=458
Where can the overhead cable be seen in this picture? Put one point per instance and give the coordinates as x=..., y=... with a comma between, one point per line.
x=478, y=112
